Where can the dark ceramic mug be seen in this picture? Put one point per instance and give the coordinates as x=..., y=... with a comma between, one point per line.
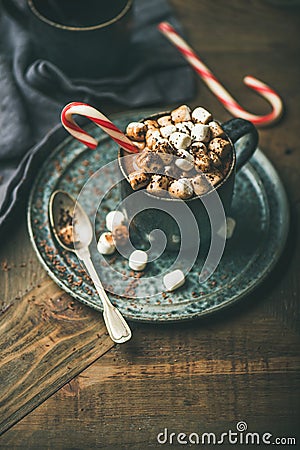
x=156, y=212
x=83, y=38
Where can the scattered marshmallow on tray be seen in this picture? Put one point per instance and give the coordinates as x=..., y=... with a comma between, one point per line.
x=106, y=245
x=227, y=229
x=138, y=260
x=113, y=219
x=230, y=227
x=174, y=280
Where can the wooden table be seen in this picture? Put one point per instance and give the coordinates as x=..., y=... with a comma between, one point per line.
x=66, y=385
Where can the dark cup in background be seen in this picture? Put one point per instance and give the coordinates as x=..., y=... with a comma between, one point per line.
x=83, y=38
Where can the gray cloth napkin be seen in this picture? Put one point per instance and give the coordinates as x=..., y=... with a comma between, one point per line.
x=33, y=92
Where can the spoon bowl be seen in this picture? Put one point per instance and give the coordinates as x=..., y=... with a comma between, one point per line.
x=65, y=212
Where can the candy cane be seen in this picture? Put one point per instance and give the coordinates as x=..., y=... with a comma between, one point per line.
x=82, y=109
x=220, y=92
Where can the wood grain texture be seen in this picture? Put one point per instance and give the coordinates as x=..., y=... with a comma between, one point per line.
x=202, y=377
x=46, y=339
x=19, y=269
x=242, y=364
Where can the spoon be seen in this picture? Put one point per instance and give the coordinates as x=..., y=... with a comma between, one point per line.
x=73, y=231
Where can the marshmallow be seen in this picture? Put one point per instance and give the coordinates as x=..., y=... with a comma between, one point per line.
x=138, y=260
x=175, y=238
x=216, y=130
x=202, y=162
x=215, y=159
x=181, y=188
x=167, y=130
x=227, y=229
x=152, y=136
x=220, y=146
x=158, y=185
x=138, y=179
x=201, y=184
x=167, y=158
x=106, y=245
x=198, y=147
x=180, y=140
x=185, y=127
x=186, y=160
x=113, y=219
x=172, y=171
x=162, y=145
x=200, y=132
x=181, y=114
x=230, y=227
x=136, y=131
x=151, y=123
x=139, y=144
x=149, y=162
x=201, y=115
x=135, y=164
x=185, y=174
x=120, y=235
x=214, y=176
x=164, y=121
x=174, y=280
x=66, y=234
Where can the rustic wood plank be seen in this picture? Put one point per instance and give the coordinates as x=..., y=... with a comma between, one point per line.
x=46, y=339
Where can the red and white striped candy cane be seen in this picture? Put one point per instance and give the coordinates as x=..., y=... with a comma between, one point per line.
x=82, y=109
x=216, y=87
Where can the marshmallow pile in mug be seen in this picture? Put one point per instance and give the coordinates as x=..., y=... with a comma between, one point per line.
x=182, y=154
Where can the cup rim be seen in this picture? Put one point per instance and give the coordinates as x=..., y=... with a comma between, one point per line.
x=215, y=188
x=60, y=26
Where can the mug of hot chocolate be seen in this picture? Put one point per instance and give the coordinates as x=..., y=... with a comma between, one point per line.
x=185, y=156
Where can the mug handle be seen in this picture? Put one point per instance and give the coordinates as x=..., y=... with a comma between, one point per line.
x=241, y=128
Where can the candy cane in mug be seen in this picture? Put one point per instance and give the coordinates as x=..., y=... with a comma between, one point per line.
x=82, y=109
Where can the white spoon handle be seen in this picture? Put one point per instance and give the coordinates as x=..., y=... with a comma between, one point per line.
x=116, y=325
